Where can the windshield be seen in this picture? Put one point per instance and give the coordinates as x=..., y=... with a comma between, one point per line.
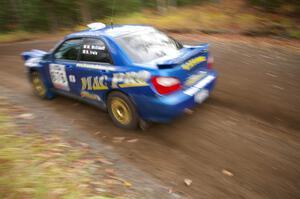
x=148, y=45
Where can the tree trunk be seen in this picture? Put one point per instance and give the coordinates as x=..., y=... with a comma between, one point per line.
x=84, y=11
x=53, y=21
x=15, y=13
x=172, y=3
x=161, y=6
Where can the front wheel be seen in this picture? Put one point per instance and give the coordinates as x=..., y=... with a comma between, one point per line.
x=122, y=111
x=39, y=87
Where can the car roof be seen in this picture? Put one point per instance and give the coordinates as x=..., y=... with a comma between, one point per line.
x=111, y=31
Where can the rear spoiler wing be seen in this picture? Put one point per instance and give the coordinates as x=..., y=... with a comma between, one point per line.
x=194, y=50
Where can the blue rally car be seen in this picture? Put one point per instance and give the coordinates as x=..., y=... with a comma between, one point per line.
x=135, y=72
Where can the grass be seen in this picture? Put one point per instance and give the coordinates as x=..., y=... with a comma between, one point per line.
x=33, y=166
x=15, y=36
x=217, y=19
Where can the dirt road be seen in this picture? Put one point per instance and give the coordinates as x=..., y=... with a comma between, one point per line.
x=244, y=142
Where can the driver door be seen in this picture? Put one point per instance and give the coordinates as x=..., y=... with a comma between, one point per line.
x=62, y=69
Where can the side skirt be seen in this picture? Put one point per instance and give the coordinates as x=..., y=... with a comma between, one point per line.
x=97, y=104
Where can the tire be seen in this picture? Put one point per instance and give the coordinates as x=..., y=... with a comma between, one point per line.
x=39, y=87
x=122, y=111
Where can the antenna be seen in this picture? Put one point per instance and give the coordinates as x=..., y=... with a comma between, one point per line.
x=112, y=14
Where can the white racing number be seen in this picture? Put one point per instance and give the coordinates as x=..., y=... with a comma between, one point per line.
x=59, y=77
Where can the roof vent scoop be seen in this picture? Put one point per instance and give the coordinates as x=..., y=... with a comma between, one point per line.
x=96, y=26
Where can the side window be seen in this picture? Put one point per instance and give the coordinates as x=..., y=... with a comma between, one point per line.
x=68, y=50
x=94, y=50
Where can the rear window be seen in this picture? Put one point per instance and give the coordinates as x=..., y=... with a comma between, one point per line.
x=148, y=45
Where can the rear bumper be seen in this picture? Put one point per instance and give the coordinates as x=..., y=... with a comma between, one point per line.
x=163, y=109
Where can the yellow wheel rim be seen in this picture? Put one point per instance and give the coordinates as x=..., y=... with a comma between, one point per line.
x=121, y=111
x=38, y=85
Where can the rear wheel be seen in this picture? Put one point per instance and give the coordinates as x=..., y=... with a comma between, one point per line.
x=39, y=86
x=122, y=111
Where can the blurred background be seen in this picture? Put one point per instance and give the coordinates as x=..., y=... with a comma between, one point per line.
x=244, y=142
x=249, y=17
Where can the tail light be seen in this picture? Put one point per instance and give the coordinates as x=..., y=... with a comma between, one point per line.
x=166, y=85
x=210, y=62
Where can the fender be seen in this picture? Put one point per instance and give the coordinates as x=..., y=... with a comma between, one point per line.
x=33, y=54
x=32, y=58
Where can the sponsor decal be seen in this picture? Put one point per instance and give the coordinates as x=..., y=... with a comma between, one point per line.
x=91, y=96
x=94, y=83
x=72, y=79
x=193, y=62
x=130, y=79
x=95, y=66
x=58, y=76
x=119, y=80
x=194, y=78
x=200, y=85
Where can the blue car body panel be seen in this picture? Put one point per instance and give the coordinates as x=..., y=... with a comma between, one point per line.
x=92, y=82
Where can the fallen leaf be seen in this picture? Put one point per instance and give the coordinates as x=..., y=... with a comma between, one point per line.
x=188, y=182
x=118, y=139
x=27, y=116
x=100, y=190
x=26, y=190
x=47, y=164
x=55, y=154
x=83, y=186
x=59, y=191
x=127, y=184
x=277, y=87
x=56, y=150
x=65, y=145
x=84, y=144
x=97, y=183
x=104, y=161
x=85, y=161
x=229, y=123
x=132, y=140
x=44, y=155
x=110, y=171
x=112, y=181
x=271, y=75
x=175, y=195
x=227, y=173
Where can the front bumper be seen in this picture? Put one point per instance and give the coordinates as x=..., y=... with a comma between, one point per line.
x=163, y=109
